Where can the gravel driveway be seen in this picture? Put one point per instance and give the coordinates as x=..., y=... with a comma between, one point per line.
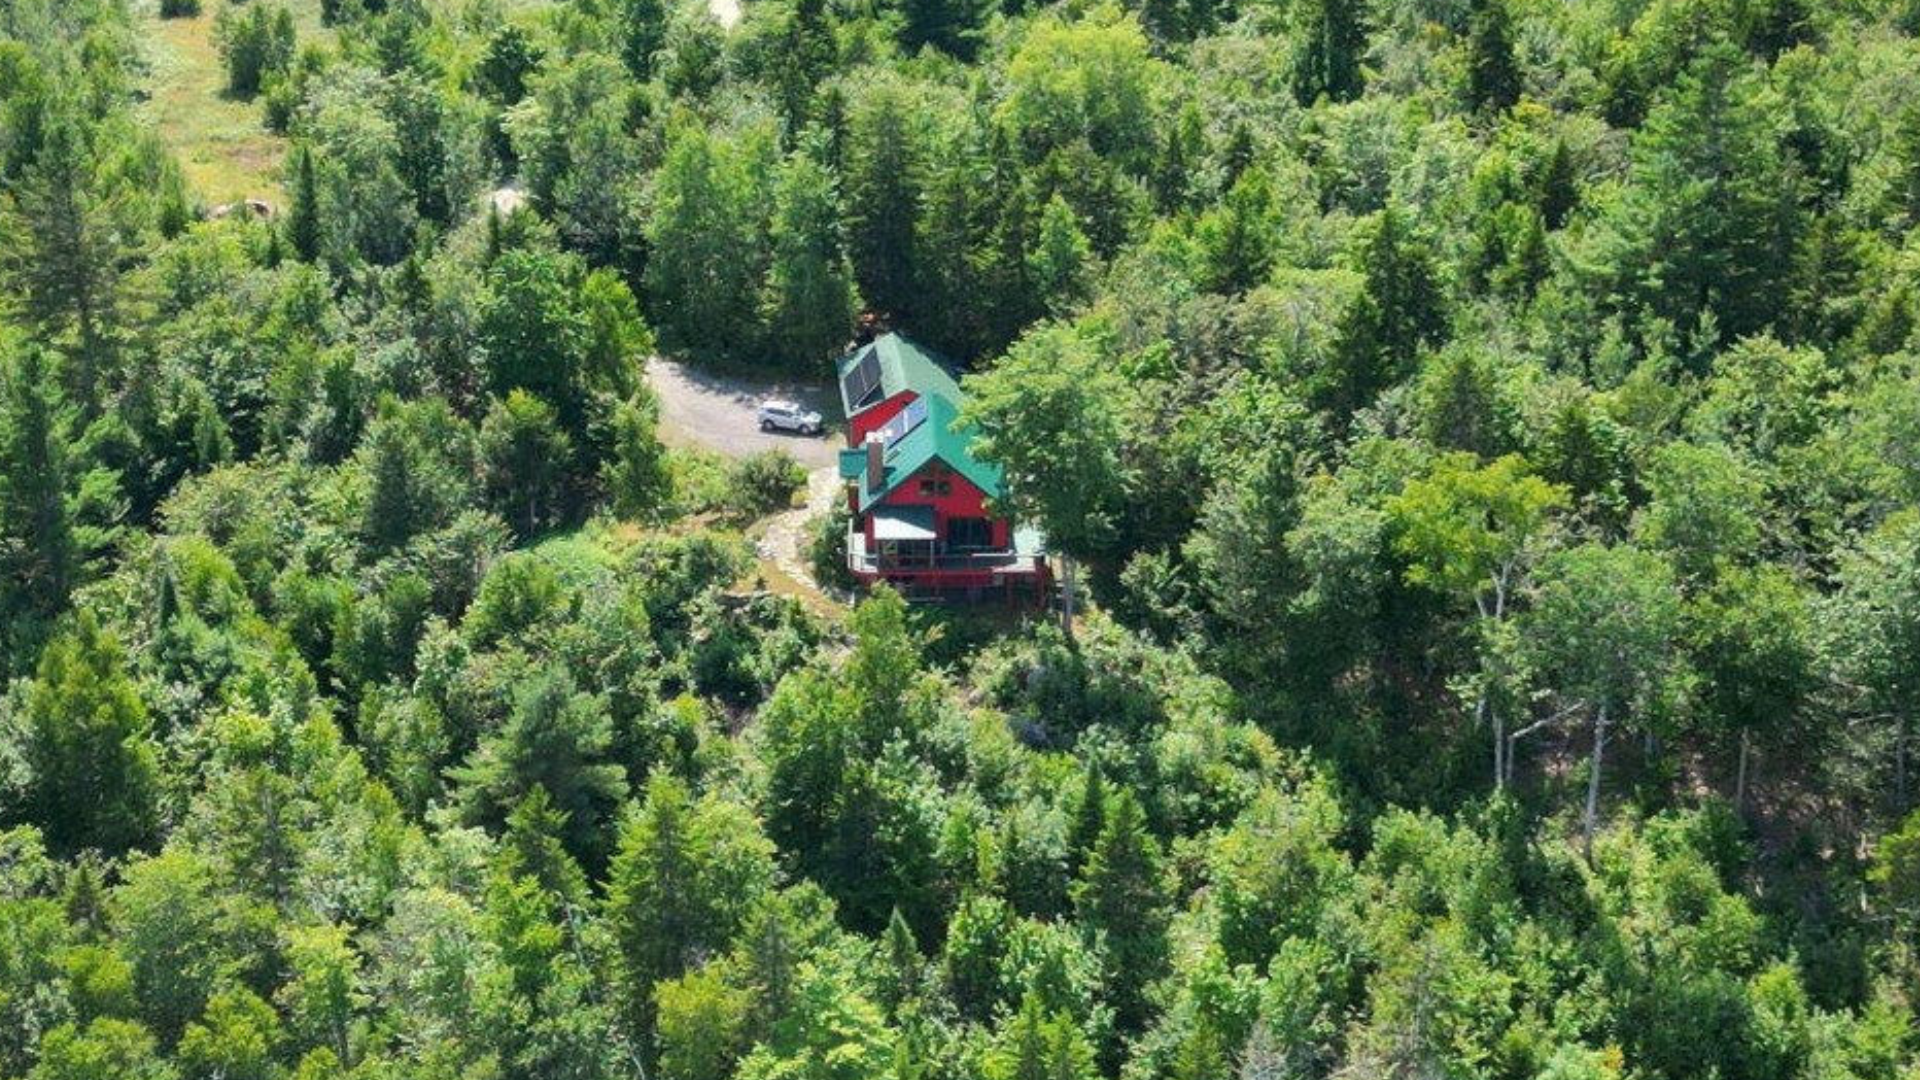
x=718, y=412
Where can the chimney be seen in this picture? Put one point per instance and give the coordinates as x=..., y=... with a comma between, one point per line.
x=876, y=462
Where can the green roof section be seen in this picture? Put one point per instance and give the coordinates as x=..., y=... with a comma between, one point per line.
x=935, y=438
x=901, y=364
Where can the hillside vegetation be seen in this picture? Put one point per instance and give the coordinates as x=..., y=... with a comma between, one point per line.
x=1487, y=433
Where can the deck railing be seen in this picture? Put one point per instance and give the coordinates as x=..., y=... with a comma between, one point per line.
x=862, y=561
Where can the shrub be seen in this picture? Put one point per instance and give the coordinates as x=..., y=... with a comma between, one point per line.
x=827, y=548
x=762, y=483
x=179, y=9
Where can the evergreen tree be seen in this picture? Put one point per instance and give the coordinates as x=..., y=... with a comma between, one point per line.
x=1060, y=264
x=555, y=738
x=1089, y=816
x=1493, y=78
x=524, y=457
x=1711, y=218
x=636, y=476
x=809, y=305
x=65, y=256
x=883, y=198
x=1329, y=37
x=685, y=875
x=39, y=549
x=952, y=26
x=1122, y=895
x=641, y=26
x=1398, y=312
x=303, y=208
x=94, y=774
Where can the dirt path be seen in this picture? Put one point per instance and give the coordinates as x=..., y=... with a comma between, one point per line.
x=782, y=543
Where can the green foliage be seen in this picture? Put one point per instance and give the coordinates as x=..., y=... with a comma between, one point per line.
x=763, y=482
x=523, y=461
x=87, y=745
x=1392, y=380
x=256, y=43
x=555, y=738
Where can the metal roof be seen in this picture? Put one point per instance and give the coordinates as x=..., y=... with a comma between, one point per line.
x=903, y=523
x=887, y=365
x=936, y=439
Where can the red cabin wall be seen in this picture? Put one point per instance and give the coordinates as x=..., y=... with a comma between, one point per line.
x=963, y=499
x=870, y=419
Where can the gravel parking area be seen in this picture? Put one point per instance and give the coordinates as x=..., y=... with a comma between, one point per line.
x=717, y=412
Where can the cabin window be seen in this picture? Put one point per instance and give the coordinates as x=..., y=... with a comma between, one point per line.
x=936, y=480
x=969, y=532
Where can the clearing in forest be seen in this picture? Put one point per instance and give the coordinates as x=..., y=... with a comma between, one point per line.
x=221, y=142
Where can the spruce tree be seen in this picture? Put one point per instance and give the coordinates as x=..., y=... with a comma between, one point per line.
x=1398, y=312
x=1122, y=896
x=642, y=29
x=883, y=199
x=1493, y=79
x=303, y=210
x=1329, y=37
x=38, y=545
x=555, y=738
x=94, y=774
x=65, y=253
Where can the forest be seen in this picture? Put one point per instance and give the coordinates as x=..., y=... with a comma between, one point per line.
x=1487, y=433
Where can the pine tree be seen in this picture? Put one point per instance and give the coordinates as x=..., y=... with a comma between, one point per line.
x=1493, y=79
x=642, y=29
x=1712, y=215
x=39, y=549
x=1399, y=312
x=1559, y=186
x=883, y=199
x=809, y=304
x=95, y=777
x=65, y=257
x=1121, y=895
x=905, y=967
x=533, y=848
x=303, y=210
x=1329, y=38
x=555, y=738
x=1089, y=816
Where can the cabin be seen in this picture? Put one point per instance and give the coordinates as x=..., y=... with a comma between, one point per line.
x=920, y=501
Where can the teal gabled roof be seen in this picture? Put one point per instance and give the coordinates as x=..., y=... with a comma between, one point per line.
x=884, y=367
x=896, y=363
x=934, y=439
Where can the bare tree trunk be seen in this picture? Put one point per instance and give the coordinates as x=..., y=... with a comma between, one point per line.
x=1740, y=774
x=1593, y=781
x=1900, y=763
x=1480, y=712
x=1066, y=594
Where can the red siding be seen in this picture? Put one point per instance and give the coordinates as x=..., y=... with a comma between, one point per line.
x=963, y=499
x=871, y=418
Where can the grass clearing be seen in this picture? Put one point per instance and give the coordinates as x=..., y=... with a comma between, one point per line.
x=222, y=143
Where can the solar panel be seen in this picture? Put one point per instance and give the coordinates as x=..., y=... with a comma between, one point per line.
x=863, y=379
x=903, y=422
